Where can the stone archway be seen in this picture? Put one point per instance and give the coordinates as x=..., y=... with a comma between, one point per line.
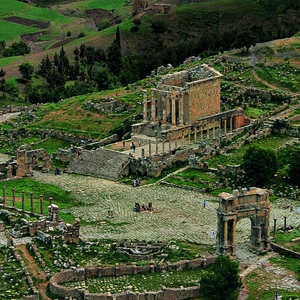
x=253, y=204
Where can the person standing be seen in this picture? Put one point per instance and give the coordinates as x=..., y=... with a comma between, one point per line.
x=204, y=204
x=212, y=234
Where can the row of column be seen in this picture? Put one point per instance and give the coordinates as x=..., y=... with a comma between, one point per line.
x=23, y=201
x=195, y=132
x=169, y=99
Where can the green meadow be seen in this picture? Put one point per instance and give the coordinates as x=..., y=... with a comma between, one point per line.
x=8, y=60
x=12, y=31
x=104, y=4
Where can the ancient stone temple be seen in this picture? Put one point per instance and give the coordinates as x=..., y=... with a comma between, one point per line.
x=253, y=204
x=183, y=99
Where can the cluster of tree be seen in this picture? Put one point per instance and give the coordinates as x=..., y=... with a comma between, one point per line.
x=221, y=280
x=17, y=48
x=260, y=165
x=7, y=87
x=98, y=69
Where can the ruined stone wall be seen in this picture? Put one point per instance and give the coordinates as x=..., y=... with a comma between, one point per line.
x=284, y=251
x=29, y=280
x=154, y=165
x=204, y=98
x=291, y=131
x=166, y=293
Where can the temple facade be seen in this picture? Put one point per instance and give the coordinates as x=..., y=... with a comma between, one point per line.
x=184, y=101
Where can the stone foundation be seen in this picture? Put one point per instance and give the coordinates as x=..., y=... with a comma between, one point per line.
x=166, y=293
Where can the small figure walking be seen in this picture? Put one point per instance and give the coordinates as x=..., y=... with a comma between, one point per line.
x=133, y=147
x=212, y=234
x=204, y=204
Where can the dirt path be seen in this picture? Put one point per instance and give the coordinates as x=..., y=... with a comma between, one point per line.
x=257, y=78
x=35, y=271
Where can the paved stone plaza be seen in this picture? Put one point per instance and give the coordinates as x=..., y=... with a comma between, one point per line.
x=178, y=215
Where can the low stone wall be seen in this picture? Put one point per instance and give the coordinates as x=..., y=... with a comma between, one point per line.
x=35, y=292
x=154, y=165
x=166, y=293
x=284, y=251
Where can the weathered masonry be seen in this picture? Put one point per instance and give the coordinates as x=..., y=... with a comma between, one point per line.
x=184, y=101
x=253, y=204
x=184, y=97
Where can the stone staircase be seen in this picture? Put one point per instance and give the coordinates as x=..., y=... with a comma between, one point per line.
x=102, y=163
x=270, y=122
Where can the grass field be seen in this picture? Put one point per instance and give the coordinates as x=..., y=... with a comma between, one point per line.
x=8, y=60
x=61, y=198
x=11, y=31
x=104, y=4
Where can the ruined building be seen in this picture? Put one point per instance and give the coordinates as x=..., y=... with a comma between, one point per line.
x=253, y=204
x=185, y=99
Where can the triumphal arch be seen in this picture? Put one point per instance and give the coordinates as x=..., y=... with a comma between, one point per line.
x=253, y=204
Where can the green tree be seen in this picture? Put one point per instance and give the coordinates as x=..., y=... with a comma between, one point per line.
x=2, y=73
x=294, y=166
x=244, y=40
x=222, y=279
x=45, y=66
x=259, y=165
x=26, y=70
x=114, y=55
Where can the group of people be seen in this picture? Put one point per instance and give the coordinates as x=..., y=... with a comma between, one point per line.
x=57, y=171
x=144, y=207
x=136, y=182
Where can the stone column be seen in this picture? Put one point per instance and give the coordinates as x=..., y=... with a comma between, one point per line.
x=23, y=200
x=225, y=126
x=145, y=115
x=180, y=109
x=9, y=171
x=189, y=137
x=13, y=198
x=230, y=123
x=149, y=148
x=175, y=144
x=201, y=132
x=153, y=107
x=214, y=130
x=173, y=111
x=4, y=196
x=220, y=125
x=225, y=232
x=163, y=146
x=31, y=202
x=167, y=104
x=195, y=133
x=234, y=237
x=41, y=205
x=182, y=138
